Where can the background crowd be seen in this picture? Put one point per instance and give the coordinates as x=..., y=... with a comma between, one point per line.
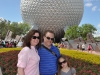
x=7, y=44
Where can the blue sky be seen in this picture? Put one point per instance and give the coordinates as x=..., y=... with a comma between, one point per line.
x=92, y=14
x=10, y=10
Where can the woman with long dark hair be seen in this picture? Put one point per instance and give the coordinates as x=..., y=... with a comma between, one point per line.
x=65, y=67
x=28, y=58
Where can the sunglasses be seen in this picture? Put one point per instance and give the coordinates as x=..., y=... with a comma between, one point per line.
x=62, y=62
x=50, y=38
x=34, y=37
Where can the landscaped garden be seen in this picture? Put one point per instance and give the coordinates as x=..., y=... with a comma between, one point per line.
x=84, y=63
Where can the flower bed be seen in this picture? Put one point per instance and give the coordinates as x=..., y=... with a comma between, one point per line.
x=81, y=55
x=8, y=49
x=84, y=68
x=8, y=62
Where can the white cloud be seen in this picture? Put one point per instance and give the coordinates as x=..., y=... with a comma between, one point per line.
x=97, y=33
x=99, y=25
x=88, y=4
x=94, y=8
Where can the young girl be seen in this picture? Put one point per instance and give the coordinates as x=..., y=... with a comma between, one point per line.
x=64, y=66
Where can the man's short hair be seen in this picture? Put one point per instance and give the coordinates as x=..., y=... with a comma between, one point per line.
x=50, y=31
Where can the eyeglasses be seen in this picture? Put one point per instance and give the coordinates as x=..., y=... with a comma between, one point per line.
x=62, y=62
x=34, y=37
x=50, y=38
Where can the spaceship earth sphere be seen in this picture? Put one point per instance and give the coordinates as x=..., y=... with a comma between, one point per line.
x=52, y=15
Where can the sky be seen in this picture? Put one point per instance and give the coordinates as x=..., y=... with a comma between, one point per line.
x=10, y=10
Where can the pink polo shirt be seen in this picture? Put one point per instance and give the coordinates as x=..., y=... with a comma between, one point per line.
x=29, y=60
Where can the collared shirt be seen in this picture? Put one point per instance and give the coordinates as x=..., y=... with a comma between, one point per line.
x=48, y=62
x=29, y=60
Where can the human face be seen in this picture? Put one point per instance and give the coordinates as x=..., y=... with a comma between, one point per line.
x=35, y=39
x=62, y=62
x=48, y=38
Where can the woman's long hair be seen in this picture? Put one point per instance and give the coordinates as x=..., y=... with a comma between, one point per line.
x=27, y=39
x=59, y=66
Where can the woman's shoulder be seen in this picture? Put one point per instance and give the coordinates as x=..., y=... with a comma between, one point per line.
x=25, y=49
x=24, y=52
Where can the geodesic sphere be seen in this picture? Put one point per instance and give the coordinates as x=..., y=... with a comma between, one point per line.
x=52, y=14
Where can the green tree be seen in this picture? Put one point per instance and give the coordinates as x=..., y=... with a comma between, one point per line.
x=4, y=26
x=15, y=27
x=97, y=38
x=76, y=31
x=87, y=28
x=72, y=32
x=19, y=28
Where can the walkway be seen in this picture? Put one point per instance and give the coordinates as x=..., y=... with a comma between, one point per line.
x=93, y=52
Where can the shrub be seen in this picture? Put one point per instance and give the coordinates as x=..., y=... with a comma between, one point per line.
x=81, y=55
x=78, y=60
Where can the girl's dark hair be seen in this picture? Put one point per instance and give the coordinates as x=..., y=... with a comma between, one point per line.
x=27, y=39
x=59, y=66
